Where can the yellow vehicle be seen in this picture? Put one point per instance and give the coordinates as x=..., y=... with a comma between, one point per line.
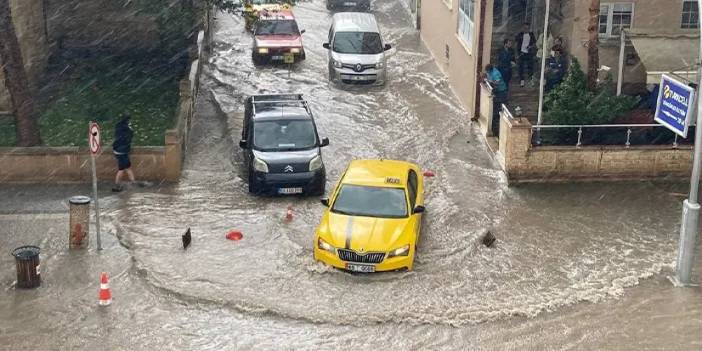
x=373, y=217
x=253, y=9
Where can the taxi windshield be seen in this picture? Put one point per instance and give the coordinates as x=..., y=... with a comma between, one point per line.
x=370, y=201
x=284, y=135
x=277, y=27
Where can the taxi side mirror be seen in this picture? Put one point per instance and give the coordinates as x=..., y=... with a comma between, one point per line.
x=326, y=46
x=419, y=209
x=324, y=201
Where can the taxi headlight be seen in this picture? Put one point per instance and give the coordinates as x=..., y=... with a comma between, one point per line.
x=295, y=50
x=315, y=163
x=259, y=165
x=402, y=251
x=262, y=50
x=323, y=245
x=337, y=64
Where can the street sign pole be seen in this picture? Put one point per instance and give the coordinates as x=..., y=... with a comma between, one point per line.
x=691, y=209
x=94, y=143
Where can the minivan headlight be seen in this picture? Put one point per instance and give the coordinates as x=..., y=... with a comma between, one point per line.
x=316, y=163
x=402, y=251
x=259, y=165
x=337, y=64
x=380, y=65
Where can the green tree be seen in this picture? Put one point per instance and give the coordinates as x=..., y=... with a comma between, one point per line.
x=16, y=81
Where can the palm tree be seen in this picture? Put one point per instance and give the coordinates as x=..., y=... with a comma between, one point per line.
x=16, y=81
x=593, y=57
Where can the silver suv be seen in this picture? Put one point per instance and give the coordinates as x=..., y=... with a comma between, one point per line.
x=357, y=53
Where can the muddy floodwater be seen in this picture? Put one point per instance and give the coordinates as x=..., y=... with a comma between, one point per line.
x=580, y=266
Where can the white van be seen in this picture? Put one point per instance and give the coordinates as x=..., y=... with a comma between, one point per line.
x=357, y=53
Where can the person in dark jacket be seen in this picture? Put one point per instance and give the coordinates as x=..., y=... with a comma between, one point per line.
x=121, y=147
x=526, y=49
x=505, y=61
x=556, y=68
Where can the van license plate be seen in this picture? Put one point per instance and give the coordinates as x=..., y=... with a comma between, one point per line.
x=289, y=191
x=363, y=268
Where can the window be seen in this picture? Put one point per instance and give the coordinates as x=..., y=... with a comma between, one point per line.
x=690, y=14
x=614, y=18
x=370, y=201
x=466, y=24
x=412, y=188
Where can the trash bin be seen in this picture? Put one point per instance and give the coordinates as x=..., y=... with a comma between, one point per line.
x=79, y=222
x=27, y=260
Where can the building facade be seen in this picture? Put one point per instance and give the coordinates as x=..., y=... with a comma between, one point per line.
x=458, y=34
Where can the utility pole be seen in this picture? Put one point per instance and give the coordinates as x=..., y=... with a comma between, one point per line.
x=691, y=209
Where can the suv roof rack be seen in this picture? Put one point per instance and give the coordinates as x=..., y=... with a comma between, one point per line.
x=281, y=100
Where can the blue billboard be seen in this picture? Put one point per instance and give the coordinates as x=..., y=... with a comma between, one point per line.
x=675, y=105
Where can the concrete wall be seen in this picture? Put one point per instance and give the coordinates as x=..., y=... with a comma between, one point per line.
x=524, y=163
x=28, y=18
x=439, y=22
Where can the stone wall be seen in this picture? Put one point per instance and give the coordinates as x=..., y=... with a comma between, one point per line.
x=524, y=163
x=28, y=18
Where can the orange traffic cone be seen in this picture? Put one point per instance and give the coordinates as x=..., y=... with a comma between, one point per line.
x=289, y=214
x=105, y=294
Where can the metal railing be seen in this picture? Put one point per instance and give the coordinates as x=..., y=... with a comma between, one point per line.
x=626, y=138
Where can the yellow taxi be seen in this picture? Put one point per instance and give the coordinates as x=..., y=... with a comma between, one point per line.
x=373, y=217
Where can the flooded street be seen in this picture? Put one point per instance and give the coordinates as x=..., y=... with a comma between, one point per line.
x=580, y=266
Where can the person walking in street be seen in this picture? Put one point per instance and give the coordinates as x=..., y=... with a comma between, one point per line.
x=526, y=47
x=121, y=147
x=499, y=91
x=505, y=62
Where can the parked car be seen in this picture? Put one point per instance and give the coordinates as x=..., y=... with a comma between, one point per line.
x=362, y=5
x=373, y=218
x=277, y=38
x=357, y=54
x=281, y=146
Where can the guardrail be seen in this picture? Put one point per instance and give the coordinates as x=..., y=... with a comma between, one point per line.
x=626, y=137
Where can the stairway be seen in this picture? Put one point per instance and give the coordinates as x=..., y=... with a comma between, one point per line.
x=527, y=98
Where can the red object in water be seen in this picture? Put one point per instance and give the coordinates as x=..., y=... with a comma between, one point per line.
x=235, y=235
x=429, y=174
x=289, y=214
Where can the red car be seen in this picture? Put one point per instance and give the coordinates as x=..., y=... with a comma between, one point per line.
x=277, y=38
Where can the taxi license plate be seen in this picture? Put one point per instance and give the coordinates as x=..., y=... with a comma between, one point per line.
x=363, y=268
x=289, y=191
x=348, y=3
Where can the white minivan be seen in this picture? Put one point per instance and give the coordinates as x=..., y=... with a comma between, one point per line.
x=357, y=53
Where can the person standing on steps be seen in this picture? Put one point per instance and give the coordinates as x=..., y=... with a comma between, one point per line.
x=526, y=47
x=121, y=147
x=505, y=61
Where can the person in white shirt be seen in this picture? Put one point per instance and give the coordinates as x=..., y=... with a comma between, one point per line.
x=526, y=48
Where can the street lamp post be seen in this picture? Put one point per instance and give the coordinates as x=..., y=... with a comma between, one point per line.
x=691, y=209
